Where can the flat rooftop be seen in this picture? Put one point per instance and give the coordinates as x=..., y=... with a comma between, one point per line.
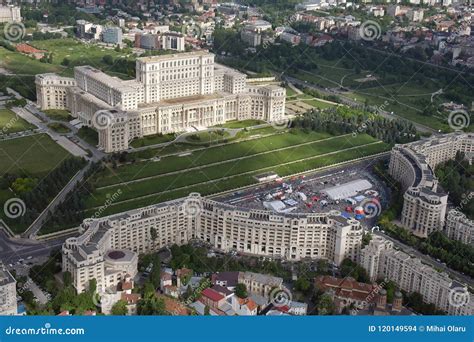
x=153, y=59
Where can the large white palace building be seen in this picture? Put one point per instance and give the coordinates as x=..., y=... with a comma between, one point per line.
x=171, y=93
x=107, y=248
x=413, y=164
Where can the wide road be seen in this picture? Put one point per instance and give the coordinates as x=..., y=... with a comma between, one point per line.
x=11, y=250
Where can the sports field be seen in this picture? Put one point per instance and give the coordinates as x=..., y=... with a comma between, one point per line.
x=226, y=167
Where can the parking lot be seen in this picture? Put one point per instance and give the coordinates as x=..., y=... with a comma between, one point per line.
x=315, y=193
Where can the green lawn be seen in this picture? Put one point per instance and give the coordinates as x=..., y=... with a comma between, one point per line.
x=318, y=104
x=153, y=140
x=192, y=182
x=247, y=163
x=211, y=137
x=241, y=124
x=207, y=156
x=58, y=114
x=89, y=135
x=290, y=92
x=77, y=53
x=33, y=156
x=10, y=122
x=59, y=128
x=22, y=65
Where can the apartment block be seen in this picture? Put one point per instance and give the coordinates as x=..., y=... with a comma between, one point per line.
x=257, y=232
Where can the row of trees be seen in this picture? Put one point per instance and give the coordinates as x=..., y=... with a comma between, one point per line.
x=343, y=120
x=457, y=177
x=71, y=212
x=37, y=194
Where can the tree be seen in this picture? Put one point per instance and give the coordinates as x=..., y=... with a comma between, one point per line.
x=66, y=61
x=241, y=291
x=302, y=284
x=108, y=59
x=326, y=305
x=120, y=308
x=155, y=275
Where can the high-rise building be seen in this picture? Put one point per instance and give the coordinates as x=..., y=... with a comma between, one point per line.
x=459, y=227
x=424, y=204
x=8, y=305
x=382, y=261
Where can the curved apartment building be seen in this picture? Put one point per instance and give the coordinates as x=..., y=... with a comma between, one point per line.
x=424, y=205
x=290, y=236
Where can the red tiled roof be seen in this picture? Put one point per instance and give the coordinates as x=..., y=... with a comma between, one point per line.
x=212, y=295
x=131, y=298
x=345, y=287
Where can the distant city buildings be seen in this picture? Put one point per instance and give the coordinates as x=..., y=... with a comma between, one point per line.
x=9, y=14
x=160, y=41
x=112, y=35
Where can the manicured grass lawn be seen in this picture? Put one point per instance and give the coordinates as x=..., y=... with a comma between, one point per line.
x=10, y=122
x=59, y=128
x=33, y=156
x=89, y=135
x=241, y=124
x=207, y=156
x=269, y=160
x=208, y=137
x=219, y=185
x=153, y=140
x=290, y=92
x=58, y=114
x=318, y=104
